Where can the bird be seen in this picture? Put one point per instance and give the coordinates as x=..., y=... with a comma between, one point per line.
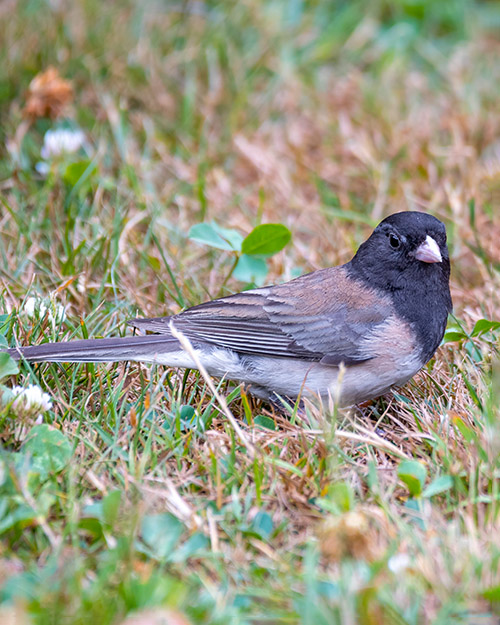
x=352, y=332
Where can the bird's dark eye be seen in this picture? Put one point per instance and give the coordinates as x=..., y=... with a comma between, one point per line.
x=394, y=241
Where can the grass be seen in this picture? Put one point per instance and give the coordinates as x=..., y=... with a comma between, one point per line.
x=137, y=495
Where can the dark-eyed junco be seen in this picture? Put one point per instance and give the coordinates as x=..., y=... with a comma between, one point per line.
x=382, y=314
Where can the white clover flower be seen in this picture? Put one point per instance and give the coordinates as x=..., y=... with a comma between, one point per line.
x=36, y=307
x=398, y=563
x=61, y=141
x=42, y=168
x=28, y=401
x=81, y=284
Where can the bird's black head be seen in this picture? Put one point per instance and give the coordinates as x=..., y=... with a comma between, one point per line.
x=407, y=257
x=404, y=249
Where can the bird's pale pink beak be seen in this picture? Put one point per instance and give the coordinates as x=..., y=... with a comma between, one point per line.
x=428, y=251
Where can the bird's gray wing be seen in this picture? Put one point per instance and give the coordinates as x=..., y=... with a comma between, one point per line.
x=324, y=316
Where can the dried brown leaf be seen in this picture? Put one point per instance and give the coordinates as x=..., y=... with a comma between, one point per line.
x=48, y=95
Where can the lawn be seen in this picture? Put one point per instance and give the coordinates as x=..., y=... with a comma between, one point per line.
x=134, y=499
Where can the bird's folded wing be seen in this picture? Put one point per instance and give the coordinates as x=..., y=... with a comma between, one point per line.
x=324, y=316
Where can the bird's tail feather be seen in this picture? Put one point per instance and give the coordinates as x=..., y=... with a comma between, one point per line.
x=145, y=348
